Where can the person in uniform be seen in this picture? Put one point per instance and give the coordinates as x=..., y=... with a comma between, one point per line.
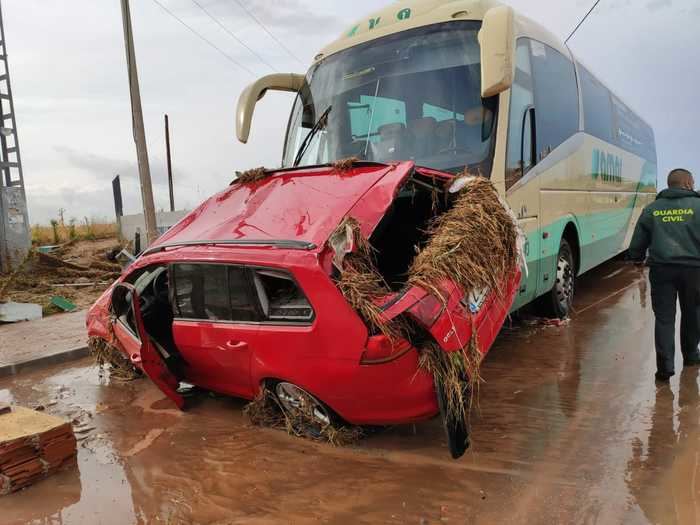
x=669, y=230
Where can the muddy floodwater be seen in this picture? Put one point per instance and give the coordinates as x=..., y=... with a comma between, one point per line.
x=570, y=428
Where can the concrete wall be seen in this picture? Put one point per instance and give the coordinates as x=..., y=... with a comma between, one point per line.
x=130, y=224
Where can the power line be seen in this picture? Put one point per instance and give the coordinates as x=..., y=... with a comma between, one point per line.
x=228, y=57
x=222, y=26
x=582, y=21
x=262, y=26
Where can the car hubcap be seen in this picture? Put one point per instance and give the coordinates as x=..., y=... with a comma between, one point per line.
x=565, y=283
x=297, y=400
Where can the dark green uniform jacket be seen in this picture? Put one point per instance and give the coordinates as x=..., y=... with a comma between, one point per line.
x=670, y=229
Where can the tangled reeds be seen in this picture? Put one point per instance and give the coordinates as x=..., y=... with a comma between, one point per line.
x=359, y=280
x=474, y=243
x=266, y=410
x=111, y=359
x=345, y=164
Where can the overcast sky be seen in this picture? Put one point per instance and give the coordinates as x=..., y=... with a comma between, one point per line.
x=72, y=104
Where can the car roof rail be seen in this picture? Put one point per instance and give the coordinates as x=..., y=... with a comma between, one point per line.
x=289, y=244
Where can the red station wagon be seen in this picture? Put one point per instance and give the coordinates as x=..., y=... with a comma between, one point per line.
x=240, y=295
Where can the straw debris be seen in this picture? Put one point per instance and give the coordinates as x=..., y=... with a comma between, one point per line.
x=266, y=410
x=252, y=175
x=110, y=358
x=345, y=164
x=473, y=244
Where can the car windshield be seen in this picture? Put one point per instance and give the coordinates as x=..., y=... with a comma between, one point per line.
x=414, y=95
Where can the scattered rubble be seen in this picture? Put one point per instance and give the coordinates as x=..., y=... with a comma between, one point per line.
x=79, y=269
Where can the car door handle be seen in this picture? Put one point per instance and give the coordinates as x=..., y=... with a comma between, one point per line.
x=236, y=345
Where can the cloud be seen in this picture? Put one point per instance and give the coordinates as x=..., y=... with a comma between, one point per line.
x=655, y=5
x=294, y=15
x=98, y=167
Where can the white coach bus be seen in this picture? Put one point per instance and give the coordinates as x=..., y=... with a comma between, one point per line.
x=455, y=84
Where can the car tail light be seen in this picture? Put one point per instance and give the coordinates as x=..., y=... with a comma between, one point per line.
x=380, y=349
x=427, y=310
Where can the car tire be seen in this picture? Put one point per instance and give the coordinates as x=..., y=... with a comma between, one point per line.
x=558, y=302
x=298, y=405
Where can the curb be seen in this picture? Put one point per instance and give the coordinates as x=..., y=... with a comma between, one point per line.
x=43, y=361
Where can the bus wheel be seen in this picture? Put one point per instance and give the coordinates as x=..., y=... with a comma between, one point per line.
x=559, y=301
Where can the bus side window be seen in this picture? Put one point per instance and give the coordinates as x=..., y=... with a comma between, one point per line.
x=556, y=97
x=519, y=158
x=597, y=109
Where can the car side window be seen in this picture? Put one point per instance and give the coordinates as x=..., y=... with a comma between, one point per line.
x=202, y=292
x=518, y=157
x=556, y=97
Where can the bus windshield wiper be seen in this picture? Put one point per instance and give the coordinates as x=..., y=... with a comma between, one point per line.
x=319, y=125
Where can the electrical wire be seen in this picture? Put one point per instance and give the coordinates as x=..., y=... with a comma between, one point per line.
x=228, y=57
x=241, y=42
x=272, y=36
x=582, y=21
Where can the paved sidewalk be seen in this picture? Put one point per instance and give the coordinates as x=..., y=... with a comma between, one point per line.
x=45, y=341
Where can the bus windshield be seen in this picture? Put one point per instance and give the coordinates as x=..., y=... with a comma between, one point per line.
x=414, y=95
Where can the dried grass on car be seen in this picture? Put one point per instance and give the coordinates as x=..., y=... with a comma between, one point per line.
x=107, y=357
x=345, y=164
x=473, y=244
x=361, y=283
x=252, y=175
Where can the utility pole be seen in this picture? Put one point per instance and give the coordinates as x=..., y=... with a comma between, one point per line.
x=149, y=212
x=14, y=220
x=170, y=168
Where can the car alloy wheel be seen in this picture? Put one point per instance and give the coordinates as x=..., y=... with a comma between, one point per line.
x=298, y=402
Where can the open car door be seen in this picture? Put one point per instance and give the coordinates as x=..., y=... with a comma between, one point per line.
x=143, y=352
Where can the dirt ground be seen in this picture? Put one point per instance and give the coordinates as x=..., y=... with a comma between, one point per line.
x=82, y=281
x=571, y=428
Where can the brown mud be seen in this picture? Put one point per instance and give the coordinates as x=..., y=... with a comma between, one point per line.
x=570, y=428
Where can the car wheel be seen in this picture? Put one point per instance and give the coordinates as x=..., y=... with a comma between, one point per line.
x=559, y=301
x=303, y=410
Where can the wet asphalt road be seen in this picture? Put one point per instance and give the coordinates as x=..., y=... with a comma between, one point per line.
x=570, y=428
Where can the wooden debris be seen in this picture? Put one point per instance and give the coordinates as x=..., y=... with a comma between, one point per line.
x=5, y=409
x=33, y=445
x=50, y=260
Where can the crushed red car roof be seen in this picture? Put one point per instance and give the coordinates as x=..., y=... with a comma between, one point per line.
x=305, y=204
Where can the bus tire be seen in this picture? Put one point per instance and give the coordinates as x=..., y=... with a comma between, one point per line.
x=558, y=302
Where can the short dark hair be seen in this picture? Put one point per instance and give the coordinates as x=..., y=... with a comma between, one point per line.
x=677, y=177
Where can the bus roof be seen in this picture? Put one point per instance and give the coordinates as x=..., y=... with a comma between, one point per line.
x=410, y=14
x=403, y=15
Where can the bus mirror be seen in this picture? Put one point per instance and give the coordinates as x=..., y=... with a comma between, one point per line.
x=254, y=92
x=497, y=41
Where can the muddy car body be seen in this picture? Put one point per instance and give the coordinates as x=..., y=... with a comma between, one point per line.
x=241, y=294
